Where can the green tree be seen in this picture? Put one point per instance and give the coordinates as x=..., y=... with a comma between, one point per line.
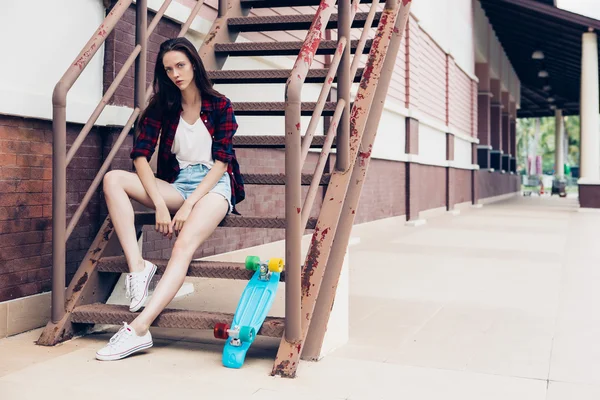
x=545, y=144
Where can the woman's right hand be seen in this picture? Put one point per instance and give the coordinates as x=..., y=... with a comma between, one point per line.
x=163, y=220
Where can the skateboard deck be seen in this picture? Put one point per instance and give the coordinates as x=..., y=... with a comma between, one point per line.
x=253, y=307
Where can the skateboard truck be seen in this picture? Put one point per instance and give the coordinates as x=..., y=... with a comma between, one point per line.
x=237, y=334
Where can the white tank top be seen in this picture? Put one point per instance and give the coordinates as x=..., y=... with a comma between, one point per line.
x=192, y=144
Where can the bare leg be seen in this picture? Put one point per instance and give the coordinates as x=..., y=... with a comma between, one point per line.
x=119, y=188
x=203, y=220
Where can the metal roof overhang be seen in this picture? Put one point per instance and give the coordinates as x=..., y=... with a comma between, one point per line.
x=524, y=26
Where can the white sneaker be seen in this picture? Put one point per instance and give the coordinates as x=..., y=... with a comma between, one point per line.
x=124, y=343
x=137, y=284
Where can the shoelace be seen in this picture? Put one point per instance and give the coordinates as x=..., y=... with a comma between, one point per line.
x=133, y=286
x=117, y=337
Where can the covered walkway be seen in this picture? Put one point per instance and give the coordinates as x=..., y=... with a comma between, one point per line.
x=499, y=302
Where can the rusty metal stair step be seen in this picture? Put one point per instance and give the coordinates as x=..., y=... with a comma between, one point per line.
x=283, y=3
x=279, y=179
x=197, y=269
x=277, y=108
x=280, y=48
x=270, y=76
x=291, y=22
x=111, y=314
x=232, y=221
x=270, y=141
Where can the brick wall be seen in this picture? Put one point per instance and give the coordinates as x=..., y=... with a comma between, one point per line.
x=495, y=183
x=26, y=204
x=119, y=45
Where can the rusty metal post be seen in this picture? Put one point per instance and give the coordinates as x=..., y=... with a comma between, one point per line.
x=59, y=205
x=59, y=155
x=320, y=319
x=344, y=83
x=222, y=8
x=141, y=27
x=288, y=354
x=293, y=168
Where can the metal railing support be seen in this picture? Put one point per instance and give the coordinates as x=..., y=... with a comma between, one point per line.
x=318, y=326
x=59, y=155
x=141, y=21
x=289, y=353
x=344, y=83
x=223, y=4
x=293, y=168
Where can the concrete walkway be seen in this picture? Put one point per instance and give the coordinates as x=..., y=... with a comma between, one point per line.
x=495, y=303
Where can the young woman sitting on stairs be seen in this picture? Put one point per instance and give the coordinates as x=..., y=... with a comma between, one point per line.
x=198, y=179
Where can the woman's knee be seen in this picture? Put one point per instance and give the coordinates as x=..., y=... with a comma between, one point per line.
x=183, y=247
x=113, y=181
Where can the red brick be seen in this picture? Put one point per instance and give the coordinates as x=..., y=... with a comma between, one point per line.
x=8, y=186
x=29, y=186
x=16, y=239
x=14, y=146
x=8, y=159
x=30, y=160
x=15, y=172
x=41, y=148
x=29, y=289
x=12, y=226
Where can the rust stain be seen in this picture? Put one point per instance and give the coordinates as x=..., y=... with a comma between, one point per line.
x=96, y=250
x=299, y=347
x=211, y=36
x=298, y=210
x=364, y=155
x=330, y=80
x=80, y=283
x=312, y=262
x=298, y=126
x=282, y=369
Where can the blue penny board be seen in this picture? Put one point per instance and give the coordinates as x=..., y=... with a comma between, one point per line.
x=254, y=305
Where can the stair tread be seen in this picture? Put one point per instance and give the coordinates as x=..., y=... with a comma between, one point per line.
x=112, y=314
x=292, y=22
x=281, y=48
x=280, y=3
x=278, y=108
x=316, y=75
x=275, y=141
x=279, y=179
x=232, y=221
x=197, y=269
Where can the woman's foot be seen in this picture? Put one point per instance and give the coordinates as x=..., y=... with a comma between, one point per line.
x=137, y=285
x=124, y=343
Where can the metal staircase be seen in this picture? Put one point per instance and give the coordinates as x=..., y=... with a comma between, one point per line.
x=310, y=283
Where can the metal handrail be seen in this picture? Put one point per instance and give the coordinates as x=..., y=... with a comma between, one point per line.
x=60, y=160
x=293, y=201
x=320, y=167
x=59, y=149
x=306, y=143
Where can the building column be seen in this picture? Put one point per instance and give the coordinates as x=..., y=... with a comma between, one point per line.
x=484, y=99
x=505, y=132
x=559, y=138
x=589, y=183
x=513, y=137
x=496, y=126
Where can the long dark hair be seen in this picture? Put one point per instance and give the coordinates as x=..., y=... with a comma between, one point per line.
x=167, y=96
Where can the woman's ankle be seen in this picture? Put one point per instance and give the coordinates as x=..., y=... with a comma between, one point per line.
x=139, y=328
x=137, y=266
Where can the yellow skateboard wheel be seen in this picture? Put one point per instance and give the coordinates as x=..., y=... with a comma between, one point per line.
x=276, y=265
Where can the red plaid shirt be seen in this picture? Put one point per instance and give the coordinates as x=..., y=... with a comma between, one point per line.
x=217, y=114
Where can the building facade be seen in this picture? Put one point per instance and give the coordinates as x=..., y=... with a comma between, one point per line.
x=446, y=139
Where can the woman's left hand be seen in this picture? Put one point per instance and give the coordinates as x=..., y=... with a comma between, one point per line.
x=180, y=217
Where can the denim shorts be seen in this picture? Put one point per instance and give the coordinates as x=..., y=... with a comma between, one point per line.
x=190, y=177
